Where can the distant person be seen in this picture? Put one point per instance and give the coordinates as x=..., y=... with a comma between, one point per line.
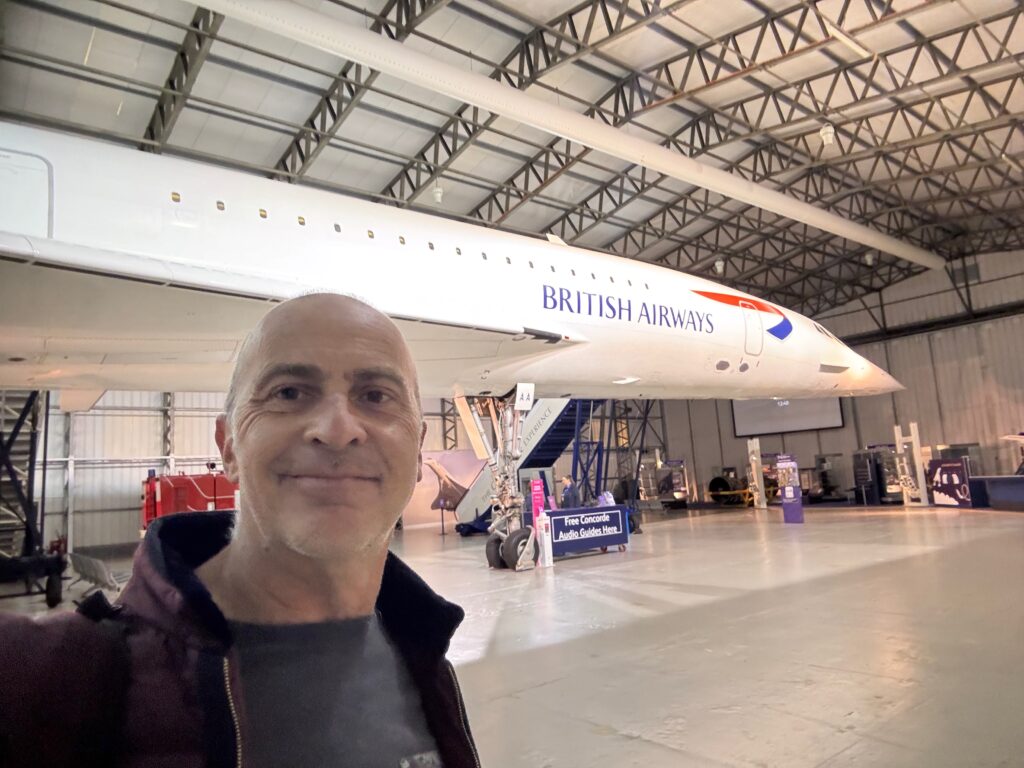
x=570, y=494
x=285, y=634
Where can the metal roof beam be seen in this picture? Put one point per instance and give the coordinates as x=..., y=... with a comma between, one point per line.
x=766, y=110
x=188, y=61
x=397, y=20
x=547, y=47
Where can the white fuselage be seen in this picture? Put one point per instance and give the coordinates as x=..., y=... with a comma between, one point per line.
x=464, y=294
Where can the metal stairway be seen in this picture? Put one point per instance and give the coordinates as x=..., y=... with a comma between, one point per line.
x=547, y=433
x=12, y=518
x=557, y=438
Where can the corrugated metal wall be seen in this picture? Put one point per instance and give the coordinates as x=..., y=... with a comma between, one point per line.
x=997, y=279
x=963, y=385
x=120, y=439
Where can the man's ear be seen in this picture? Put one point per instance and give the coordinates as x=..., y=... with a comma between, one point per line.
x=419, y=456
x=226, y=444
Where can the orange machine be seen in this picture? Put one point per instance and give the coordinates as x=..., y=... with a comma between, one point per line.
x=168, y=494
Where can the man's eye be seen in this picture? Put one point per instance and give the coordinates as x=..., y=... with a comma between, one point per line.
x=288, y=393
x=376, y=396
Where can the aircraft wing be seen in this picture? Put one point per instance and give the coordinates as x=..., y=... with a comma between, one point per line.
x=88, y=319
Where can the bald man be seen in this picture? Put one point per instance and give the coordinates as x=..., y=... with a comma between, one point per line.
x=285, y=634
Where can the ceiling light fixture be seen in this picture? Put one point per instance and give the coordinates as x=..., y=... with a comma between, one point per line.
x=437, y=192
x=719, y=266
x=869, y=259
x=828, y=134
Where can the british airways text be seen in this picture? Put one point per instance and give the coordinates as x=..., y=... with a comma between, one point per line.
x=618, y=308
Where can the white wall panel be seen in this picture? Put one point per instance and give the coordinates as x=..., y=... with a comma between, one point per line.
x=1003, y=346
x=120, y=434
x=842, y=440
x=910, y=362
x=199, y=401
x=931, y=296
x=124, y=399
x=802, y=445
x=875, y=416
x=194, y=434
x=1002, y=276
x=962, y=396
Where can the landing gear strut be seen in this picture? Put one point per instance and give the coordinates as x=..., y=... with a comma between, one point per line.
x=510, y=544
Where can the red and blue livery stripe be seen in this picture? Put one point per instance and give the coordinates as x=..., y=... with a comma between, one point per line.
x=779, y=331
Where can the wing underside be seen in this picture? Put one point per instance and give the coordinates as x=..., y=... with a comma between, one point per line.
x=71, y=318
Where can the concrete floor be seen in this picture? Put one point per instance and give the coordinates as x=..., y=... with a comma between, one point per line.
x=865, y=637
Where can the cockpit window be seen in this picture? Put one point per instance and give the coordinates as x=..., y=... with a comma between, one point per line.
x=824, y=331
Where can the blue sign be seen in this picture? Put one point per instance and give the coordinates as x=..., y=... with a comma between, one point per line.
x=577, y=530
x=789, y=488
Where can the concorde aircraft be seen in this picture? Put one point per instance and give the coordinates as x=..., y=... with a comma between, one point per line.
x=127, y=270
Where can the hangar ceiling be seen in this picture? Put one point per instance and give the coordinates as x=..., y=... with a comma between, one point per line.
x=924, y=99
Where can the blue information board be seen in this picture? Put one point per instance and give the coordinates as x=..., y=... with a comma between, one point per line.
x=577, y=530
x=789, y=488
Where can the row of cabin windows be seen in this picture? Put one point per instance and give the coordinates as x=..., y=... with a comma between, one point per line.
x=176, y=197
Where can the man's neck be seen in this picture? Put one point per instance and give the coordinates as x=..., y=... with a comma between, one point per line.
x=260, y=585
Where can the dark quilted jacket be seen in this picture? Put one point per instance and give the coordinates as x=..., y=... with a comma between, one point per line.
x=73, y=692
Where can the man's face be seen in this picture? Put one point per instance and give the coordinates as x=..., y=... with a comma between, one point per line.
x=326, y=435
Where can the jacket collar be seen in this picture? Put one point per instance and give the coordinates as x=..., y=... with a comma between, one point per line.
x=165, y=591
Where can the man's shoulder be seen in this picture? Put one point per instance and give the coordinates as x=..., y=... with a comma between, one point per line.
x=34, y=650
x=64, y=663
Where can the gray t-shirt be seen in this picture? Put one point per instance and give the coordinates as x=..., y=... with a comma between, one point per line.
x=331, y=694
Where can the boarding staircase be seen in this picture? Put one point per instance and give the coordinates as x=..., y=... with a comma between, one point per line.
x=549, y=429
x=16, y=406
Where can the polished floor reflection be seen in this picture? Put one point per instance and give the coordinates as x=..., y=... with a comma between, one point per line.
x=865, y=637
x=883, y=637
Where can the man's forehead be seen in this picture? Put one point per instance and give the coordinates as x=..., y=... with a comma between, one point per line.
x=321, y=331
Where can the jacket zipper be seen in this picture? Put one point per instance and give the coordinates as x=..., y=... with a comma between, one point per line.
x=234, y=715
x=462, y=713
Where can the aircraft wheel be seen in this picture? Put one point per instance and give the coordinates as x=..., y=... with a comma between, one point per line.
x=493, y=550
x=604, y=549
x=54, y=590
x=514, y=546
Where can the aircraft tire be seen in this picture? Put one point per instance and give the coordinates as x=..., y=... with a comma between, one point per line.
x=514, y=545
x=54, y=590
x=493, y=550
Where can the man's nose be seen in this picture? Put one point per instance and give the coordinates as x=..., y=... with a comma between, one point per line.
x=335, y=423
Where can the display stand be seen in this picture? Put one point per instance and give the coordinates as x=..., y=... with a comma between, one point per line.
x=912, y=483
x=756, y=473
x=789, y=488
